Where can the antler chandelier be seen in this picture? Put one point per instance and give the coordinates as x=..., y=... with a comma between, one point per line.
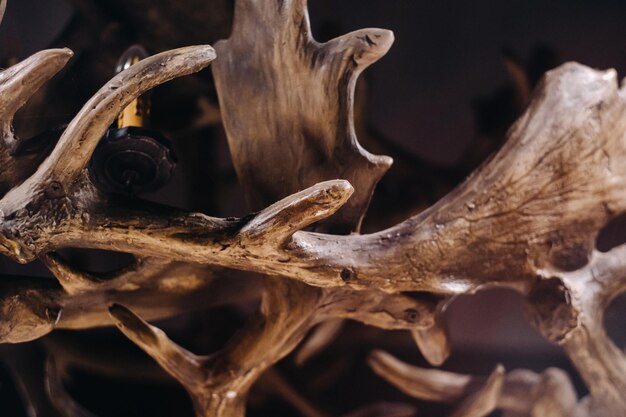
x=526, y=220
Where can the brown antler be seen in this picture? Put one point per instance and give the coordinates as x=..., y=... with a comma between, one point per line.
x=17, y=85
x=501, y=226
x=290, y=98
x=519, y=393
x=50, y=201
x=219, y=383
x=530, y=207
x=527, y=219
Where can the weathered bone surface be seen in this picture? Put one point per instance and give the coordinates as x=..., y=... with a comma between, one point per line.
x=32, y=307
x=154, y=287
x=18, y=84
x=287, y=97
x=218, y=384
x=289, y=308
x=535, y=204
x=568, y=308
x=527, y=219
x=317, y=148
x=549, y=258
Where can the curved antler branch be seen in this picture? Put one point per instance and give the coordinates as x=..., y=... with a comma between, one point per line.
x=3, y=7
x=519, y=393
x=82, y=135
x=219, y=383
x=454, y=246
x=309, y=129
x=181, y=364
x=18, y=84
x=434, y=341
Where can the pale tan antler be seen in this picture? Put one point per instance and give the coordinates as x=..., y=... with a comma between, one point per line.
x=288, y=97
x=17, y=85
x=501, y=226
x=219, y=383
x=519, y=393
x=435, y=251
x=527, y=219
x=37, y=317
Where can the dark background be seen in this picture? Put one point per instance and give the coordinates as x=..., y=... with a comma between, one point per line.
x=440, y=92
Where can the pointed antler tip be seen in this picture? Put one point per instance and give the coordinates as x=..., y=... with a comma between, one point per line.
x=205, y=53
x=342, y=187
x=378, y=357
x=60, y=55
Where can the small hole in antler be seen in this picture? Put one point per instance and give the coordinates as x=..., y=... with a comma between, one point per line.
x=411, y=315
x=346, y=274
x=54, y=190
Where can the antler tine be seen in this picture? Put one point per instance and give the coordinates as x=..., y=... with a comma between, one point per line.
x=72, y=280
x=19, y=82
x=427, y=384
x=321, y=337
x=75, y=281
x=434, y=341
x=485, y=400
x=520, y=393
x=363, y=47
x=183, y=365
x=82, y=135
x=278, y=222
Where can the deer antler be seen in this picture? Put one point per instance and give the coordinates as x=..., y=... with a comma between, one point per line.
x=501, y=226
x=568, y=309
x=519, y=393
x=53, y=198
x=300, y=110
x=219, y=383
x=17, y=85
x=527, y=219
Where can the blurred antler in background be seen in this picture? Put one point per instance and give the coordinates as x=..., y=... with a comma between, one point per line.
x=527, y=219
